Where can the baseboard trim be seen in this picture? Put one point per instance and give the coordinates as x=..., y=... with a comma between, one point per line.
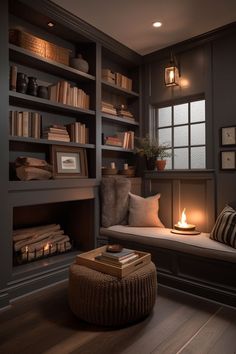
x=223, y=297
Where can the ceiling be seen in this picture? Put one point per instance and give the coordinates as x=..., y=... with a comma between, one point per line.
x=130, y=21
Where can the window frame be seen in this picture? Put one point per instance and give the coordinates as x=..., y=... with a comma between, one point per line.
x=154, y=128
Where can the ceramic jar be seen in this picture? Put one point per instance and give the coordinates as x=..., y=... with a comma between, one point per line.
x=43, y=92
x=32, y=86
x=79, y=63
x=21, y=83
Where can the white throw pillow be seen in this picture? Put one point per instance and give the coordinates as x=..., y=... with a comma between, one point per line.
x=144, y=211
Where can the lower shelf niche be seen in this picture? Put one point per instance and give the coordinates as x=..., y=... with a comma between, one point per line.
x=47, y=230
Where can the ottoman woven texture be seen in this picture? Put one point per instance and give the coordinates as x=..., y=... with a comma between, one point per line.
x=105, y=300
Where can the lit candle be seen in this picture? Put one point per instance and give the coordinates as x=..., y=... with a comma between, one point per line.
x=126, y=166
x=183, y=225
x=113, y=165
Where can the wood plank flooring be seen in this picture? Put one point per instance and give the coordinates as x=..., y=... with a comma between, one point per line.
x=180, y=323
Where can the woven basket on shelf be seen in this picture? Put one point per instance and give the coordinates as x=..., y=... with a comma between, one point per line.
x=39, y=46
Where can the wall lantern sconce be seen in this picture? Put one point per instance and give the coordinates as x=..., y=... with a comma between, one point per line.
x=172, y=72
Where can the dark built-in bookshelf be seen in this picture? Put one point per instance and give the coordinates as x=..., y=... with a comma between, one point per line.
x=72, y=202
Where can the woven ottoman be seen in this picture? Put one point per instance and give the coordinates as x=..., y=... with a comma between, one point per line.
x=105, y=300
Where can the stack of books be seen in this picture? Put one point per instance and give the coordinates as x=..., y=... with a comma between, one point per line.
x=122, y=111
x=113, y=140
x=63, y=92
x=121, y=139
x=119, y=258
x=108, y=75
x=108, y=108
x=56, y=132
x=78, y=132
x=26, y=124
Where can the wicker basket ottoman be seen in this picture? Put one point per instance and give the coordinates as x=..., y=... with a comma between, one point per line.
x=105, y=300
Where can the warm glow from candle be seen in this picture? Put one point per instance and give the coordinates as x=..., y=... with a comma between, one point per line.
x=46, y=247
x=183, y=222
x=26, y=249
x=171, y=75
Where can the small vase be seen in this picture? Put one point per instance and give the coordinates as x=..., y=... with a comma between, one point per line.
x=160, y=165
x=43, y=92
x=79, y=63
x=32, y=86
x=21, y=83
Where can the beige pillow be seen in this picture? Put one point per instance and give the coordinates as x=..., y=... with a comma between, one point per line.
x=144, y=211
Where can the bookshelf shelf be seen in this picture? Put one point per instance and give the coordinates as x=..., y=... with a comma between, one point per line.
x=23, y=56
x=117, y=119
x=15, y=186
x=19, y=99
x=119, y=90
x=49, y=142
x=116, y=148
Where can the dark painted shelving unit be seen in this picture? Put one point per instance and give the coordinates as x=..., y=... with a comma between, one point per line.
x=74, y=202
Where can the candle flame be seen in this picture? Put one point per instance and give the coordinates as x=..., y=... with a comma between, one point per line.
x=26, y=249
x=183, y=222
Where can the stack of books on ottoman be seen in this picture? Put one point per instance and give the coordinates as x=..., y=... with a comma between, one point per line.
x=114, y=260
x=119, y=258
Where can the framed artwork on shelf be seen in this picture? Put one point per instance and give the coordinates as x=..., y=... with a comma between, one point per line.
x=228, y=136
x=69, y=162
x=228, y=160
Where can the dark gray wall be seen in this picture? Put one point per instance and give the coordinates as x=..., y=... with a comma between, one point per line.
x=206, y=68
x=224, y=110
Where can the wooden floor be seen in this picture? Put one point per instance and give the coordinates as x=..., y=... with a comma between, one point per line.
x=180, y=323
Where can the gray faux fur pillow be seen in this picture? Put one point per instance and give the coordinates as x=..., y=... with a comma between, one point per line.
x=114, y=200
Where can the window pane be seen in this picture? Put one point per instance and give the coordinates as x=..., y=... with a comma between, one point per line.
x=181, y=114
x=181, y=158
x=181, y=136
x=168, y=161
x=198, y=157
x=198, y=134
x=164, y=117
x=164, y=136
x=197, y=111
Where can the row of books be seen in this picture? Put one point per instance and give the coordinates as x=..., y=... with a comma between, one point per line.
x=117, y=79
x=123, y=81
x=63, y=92
x=27, y=124
x=121, y=139
x=79, y=133
x=119, y=258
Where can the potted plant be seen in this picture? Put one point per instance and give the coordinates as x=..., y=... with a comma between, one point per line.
x=163, y=153
x=150, y=148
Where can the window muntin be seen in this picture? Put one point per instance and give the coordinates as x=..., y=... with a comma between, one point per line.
x=183, y=127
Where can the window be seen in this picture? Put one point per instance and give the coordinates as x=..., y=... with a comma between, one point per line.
x=183, y=127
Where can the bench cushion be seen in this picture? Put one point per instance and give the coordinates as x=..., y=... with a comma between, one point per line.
x=200, y=245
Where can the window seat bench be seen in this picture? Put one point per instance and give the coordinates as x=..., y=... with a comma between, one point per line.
x=196, y=264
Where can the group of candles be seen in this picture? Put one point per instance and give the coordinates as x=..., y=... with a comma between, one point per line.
x=113, y=166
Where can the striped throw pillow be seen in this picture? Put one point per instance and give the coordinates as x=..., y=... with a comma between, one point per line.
x=224, y=229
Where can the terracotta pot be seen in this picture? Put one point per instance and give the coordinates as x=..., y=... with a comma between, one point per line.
x=160, y=165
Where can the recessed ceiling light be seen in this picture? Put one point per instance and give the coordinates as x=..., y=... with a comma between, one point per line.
x=51, y=24
x=157, y=24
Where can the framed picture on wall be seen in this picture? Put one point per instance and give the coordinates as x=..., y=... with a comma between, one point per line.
x=228, y=136
x=69, y=162
x=228, y=160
